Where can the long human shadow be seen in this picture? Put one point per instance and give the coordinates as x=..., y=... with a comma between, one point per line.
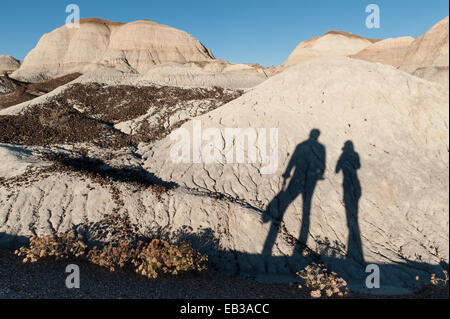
x=349, y=164
x=308, y=163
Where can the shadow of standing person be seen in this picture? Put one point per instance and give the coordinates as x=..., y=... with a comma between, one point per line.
x=349, y=163
x=308, y=161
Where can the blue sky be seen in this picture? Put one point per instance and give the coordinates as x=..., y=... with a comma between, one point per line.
x=240, y=31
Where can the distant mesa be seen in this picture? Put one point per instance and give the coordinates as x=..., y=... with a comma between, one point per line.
x=332, y=43
x=389, y=51
x=428, y=56
x=8, y=64
x=137, y=47
x=131, y=47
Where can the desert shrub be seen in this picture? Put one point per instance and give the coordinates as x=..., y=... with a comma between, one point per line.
x=113, y=257
x=148, y=259
x=159, y=256
x=440, y=282
x=435, y=285
x=321, y=282
x=59, y=246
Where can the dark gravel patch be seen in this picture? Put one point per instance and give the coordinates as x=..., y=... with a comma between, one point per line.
x=98, y=108
x=46, y=279
x=114, y=104
x=23, y=91
x=58, y=123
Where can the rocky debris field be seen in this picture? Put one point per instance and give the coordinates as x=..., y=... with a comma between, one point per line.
x=16, y=92
x=46, y=280
x=88, y=112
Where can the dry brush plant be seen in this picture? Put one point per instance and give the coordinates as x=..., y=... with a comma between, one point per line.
x=435, y=284
x=321, y=282
x=148, y=259
x=113, y=256
x=58, y=245
x=440, y=282
x=160, y=256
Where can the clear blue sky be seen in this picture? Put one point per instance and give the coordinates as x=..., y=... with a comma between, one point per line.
x=239, y=31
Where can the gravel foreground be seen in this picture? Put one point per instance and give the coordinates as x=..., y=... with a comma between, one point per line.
x=46, y=280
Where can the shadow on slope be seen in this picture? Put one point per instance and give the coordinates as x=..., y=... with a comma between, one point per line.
x=394, y=277
x=98, y=170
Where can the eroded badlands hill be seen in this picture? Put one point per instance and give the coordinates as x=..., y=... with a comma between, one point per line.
x=333, y=43
x=427, y=57
x=130, y=47
x=429, y=50
x=8, y=63
x=388, y=51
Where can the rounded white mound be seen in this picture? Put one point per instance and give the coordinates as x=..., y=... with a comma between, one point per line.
x=130, y=47
x=333, y=43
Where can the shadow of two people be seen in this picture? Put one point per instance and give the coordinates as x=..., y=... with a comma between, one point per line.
x=309, y=163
